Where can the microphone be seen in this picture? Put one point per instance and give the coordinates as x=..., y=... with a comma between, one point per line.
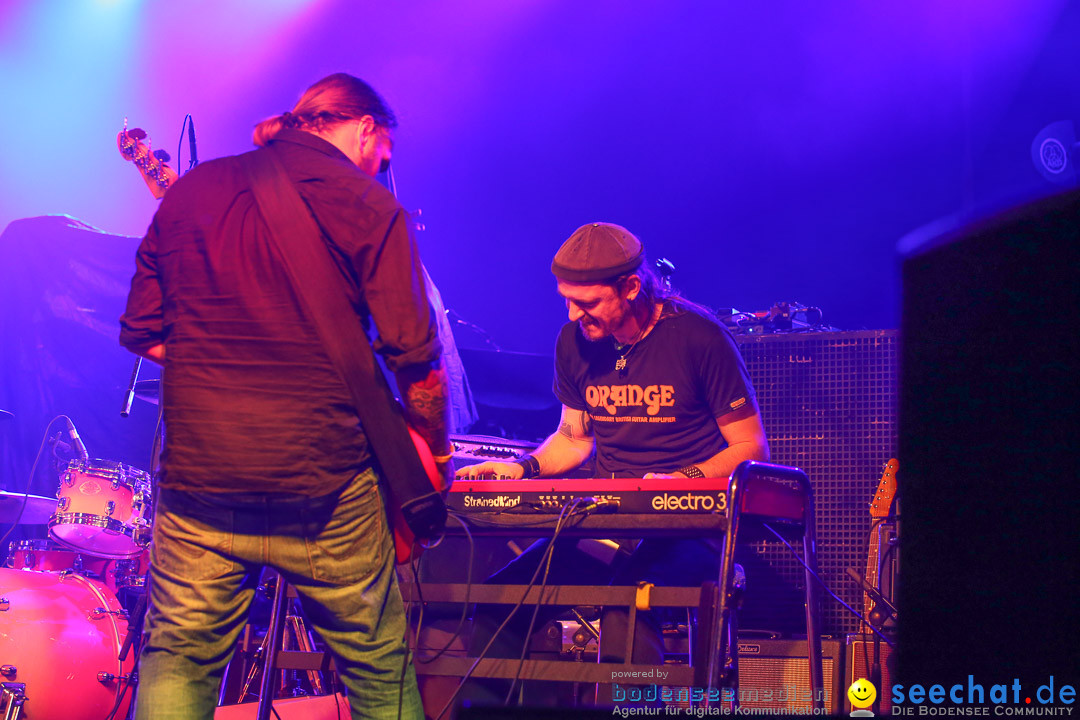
x=129, y=396
x=76, y=441
x=191, y=143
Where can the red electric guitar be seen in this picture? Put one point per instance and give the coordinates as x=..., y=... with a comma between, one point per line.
x=880, y=507
x=155, y=171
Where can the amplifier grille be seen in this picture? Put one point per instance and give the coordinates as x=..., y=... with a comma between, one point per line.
x=775, y=675
x=829, y=404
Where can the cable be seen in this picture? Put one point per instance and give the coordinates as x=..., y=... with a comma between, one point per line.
x=494, y=635
x=30, y=479
x=465, y=604
x=513, y=610
x=821, y=582
x=568, y=510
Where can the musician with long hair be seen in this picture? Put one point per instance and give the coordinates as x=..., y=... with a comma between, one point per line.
x=266, y=462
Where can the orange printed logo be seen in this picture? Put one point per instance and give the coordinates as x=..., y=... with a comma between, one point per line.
x=609, y=397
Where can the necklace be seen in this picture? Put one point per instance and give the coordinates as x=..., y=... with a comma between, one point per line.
x=620, y=364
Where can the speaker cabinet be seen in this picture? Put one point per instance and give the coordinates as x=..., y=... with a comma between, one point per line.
x=860, y=660
x=988, y=448
x=829, y=404
x=775, y=675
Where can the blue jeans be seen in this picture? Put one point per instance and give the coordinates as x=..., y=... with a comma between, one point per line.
x=335, y=550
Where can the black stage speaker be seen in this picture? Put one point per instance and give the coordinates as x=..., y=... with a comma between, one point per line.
x=829, y=404
x=775, y=675
x=989, y=569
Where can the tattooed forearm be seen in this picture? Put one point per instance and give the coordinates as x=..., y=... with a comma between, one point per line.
x=427, y=409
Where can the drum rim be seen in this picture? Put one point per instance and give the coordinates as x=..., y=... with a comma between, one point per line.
x=31, y=544
x=112, y=469
x=108, y=524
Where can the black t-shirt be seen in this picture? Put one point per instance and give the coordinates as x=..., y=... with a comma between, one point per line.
x=659, y=413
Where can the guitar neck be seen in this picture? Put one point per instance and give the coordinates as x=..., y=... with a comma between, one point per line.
x=873, y=558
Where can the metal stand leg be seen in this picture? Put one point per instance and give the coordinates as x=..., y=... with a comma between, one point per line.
x=13, y=695
x=272, y=645
x=723, y=662
x=300, y=638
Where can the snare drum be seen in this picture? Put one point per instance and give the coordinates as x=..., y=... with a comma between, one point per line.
x=62, y=635
x=44, y=555
x=48, y=556
x=103, y=509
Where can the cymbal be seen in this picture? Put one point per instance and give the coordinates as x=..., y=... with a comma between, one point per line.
x=5, y=415
x=148, y=390
x=37, y=512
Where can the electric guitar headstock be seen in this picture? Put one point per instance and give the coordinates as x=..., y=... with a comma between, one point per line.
x=152, y=165
x=886, y=491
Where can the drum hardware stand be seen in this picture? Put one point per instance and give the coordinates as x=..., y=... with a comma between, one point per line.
x=300, y=639
x=56, y=446
x=134, y=631
x=267, y=653
x=13, y=696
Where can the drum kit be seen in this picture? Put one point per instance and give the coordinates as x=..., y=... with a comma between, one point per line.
x=72, y=605
x=66, y=601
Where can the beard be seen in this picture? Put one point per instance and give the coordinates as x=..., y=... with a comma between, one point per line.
x=593, y=331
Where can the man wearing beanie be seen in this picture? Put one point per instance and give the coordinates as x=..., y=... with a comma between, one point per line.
x=656, y=386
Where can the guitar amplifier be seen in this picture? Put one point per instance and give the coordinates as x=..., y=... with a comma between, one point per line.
x=860, y=658
x=829, y=404
x=775, y=675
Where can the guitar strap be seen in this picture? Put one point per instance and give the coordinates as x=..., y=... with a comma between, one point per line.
x=308, y=263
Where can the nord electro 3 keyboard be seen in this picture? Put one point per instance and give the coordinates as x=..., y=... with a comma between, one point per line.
x=633, y=507
x=635, y=495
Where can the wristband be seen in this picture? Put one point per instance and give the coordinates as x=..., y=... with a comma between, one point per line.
x=691, y=471
x=442, y=459
x=530, y=465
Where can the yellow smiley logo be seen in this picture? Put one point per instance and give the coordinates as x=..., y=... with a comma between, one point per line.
x=862, y=693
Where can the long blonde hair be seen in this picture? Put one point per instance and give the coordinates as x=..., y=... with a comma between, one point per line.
x=335, y=99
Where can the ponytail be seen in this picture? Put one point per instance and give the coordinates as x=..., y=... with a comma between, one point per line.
x=335, y=99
